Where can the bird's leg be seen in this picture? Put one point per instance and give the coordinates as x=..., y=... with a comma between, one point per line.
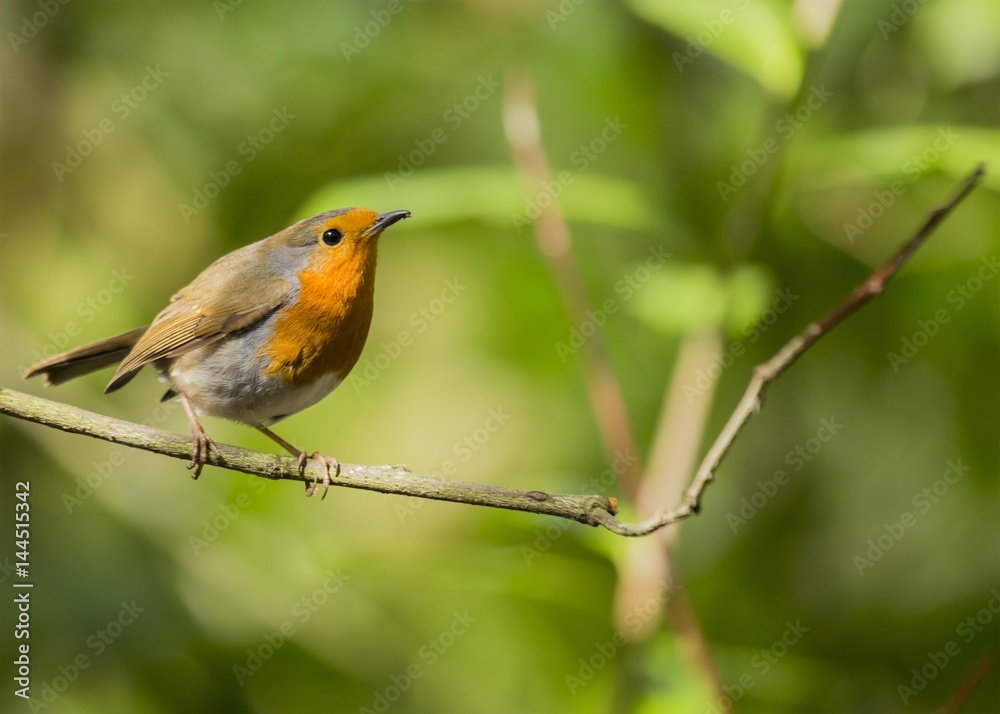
x=324, y=462
x=201, y=443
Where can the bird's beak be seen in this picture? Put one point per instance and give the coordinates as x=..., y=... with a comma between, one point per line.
x=385, y=220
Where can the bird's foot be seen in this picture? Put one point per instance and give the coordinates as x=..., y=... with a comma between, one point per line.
x=325, y=463
x=201, y=446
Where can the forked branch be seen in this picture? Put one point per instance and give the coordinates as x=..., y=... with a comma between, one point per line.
x=764, y=374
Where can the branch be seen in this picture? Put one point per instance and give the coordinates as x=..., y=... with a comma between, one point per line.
x=589, y=509
x=769, y=371
x=384, y=479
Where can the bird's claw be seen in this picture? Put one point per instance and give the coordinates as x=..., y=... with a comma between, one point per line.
x=201, y=446
x=325, y=463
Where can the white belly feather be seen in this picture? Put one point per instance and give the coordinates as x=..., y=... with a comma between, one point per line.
x=225, y=379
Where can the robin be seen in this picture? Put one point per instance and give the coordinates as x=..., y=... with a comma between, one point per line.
x=260, y=334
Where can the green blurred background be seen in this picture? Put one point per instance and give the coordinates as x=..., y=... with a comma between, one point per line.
x=154, y=593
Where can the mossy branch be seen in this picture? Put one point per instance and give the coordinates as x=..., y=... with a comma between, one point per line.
x=384, y=479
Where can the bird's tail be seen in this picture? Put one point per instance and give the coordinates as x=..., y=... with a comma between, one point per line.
x=86, y=359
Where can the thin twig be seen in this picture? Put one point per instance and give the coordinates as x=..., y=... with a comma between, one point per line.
x=521, y=125
x=384, y=479
x=767, y=372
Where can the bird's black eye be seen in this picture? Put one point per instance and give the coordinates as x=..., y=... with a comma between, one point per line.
x=332, y=236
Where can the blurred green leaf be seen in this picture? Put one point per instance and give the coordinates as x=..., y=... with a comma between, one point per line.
x=754, y=37
x=897, y=152
x=961, y=39
x=749, y=291
x=492, y=194
x=683, y=298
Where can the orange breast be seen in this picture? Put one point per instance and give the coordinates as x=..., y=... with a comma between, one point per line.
x=325, y=330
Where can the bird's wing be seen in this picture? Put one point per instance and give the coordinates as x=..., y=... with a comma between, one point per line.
x=197, y=316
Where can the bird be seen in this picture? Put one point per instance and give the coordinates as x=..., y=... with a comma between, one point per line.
x=262, y=333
